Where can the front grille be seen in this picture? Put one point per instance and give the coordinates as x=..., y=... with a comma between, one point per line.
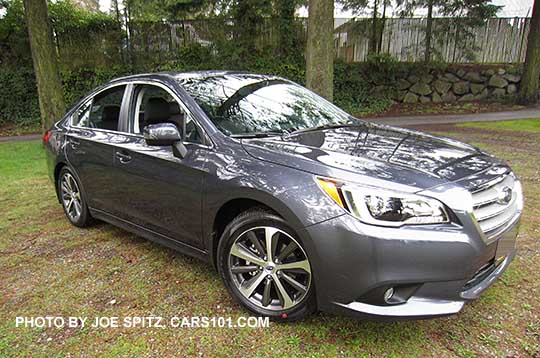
x=496, y=204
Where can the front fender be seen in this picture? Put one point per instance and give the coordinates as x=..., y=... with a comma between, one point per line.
x=291, y=193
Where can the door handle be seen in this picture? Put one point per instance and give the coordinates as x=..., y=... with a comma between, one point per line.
x=123, y=157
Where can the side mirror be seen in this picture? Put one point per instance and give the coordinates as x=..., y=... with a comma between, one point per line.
x=161, y=134
x=165, y=134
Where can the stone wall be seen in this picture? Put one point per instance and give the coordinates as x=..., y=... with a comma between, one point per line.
x=457, y=84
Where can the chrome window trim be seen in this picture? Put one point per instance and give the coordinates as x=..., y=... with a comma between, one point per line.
x=129, y=90
x=91, y=97
x=140, y=136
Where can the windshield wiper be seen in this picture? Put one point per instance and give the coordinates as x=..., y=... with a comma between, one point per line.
x=257, y=135
x=288, y=134
x=324, y=126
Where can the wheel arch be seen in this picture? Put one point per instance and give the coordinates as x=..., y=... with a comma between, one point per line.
x=58, y=167
x=231, y=208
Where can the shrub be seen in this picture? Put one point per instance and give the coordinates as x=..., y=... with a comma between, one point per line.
x=19, y=100
x=359, y=88
x=18, y=96
x=77, y=83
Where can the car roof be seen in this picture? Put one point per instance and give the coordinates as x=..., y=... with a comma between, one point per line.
x=176, y=75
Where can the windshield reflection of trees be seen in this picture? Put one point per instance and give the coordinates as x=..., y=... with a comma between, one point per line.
x=243, y=103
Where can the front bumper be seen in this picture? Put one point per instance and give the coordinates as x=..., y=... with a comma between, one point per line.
x=445, y=265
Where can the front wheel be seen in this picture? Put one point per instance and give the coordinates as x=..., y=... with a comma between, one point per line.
x=265, y=266
x=73, y=199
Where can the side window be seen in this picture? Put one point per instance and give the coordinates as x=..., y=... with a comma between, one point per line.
x=103, y=111
x=154, y=105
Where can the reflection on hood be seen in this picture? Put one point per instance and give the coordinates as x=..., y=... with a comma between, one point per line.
x=365, y=147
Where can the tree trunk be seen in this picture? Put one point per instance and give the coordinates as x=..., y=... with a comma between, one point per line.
x=127, y=21
x=381, y=27
x=320, y=48
x=429, y=27
x=49, y=85
x=373, y=38
x=116, y=9
x=531, y=70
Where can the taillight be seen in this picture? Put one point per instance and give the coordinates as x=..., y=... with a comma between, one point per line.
x=46, y=136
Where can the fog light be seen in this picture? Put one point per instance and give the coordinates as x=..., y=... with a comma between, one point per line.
x=388, y=295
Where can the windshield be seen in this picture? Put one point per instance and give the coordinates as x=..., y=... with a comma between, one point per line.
x=240, y=104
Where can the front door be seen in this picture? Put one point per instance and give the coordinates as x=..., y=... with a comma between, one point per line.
x=159, y=191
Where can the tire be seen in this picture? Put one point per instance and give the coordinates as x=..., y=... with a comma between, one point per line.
x=73, y=199
x=259, y=285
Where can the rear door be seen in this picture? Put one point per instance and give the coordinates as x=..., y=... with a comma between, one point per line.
x=159, y=191
x=93, y=133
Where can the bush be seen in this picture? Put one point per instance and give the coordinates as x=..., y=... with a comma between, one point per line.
x=364, y=88
x=18, y=96
x=359, y=88
x=18, y=91
x=19, y=100
x=77, y=83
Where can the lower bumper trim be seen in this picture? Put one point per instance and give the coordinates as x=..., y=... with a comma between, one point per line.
x=414, y=307
x=475, y=291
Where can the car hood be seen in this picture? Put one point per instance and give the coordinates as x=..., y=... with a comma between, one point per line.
x=377, y=151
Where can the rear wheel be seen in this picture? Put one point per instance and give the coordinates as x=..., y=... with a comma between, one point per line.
x=73, y=199
x=265, y=266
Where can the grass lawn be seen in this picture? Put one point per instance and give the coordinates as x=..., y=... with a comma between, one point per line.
x=519, y=125
x=49, y=267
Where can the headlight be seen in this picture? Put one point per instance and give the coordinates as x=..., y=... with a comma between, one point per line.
x=385, y=207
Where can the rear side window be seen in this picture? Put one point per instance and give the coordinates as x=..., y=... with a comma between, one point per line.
x=102, y=111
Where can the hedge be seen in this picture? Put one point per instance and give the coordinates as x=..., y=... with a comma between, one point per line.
x=353, y=83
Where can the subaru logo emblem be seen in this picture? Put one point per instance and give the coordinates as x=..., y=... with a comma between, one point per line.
x=505, y=195
x=269, y=267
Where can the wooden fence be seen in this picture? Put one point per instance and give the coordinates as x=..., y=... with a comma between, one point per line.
x=499, y=40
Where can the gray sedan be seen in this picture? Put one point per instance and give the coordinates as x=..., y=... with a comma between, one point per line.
x=299, y=206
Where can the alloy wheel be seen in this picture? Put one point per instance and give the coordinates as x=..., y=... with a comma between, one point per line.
x=71, y=197
x=270, y=268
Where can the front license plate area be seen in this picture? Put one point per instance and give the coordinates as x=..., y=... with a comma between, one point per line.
x=505, y=245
